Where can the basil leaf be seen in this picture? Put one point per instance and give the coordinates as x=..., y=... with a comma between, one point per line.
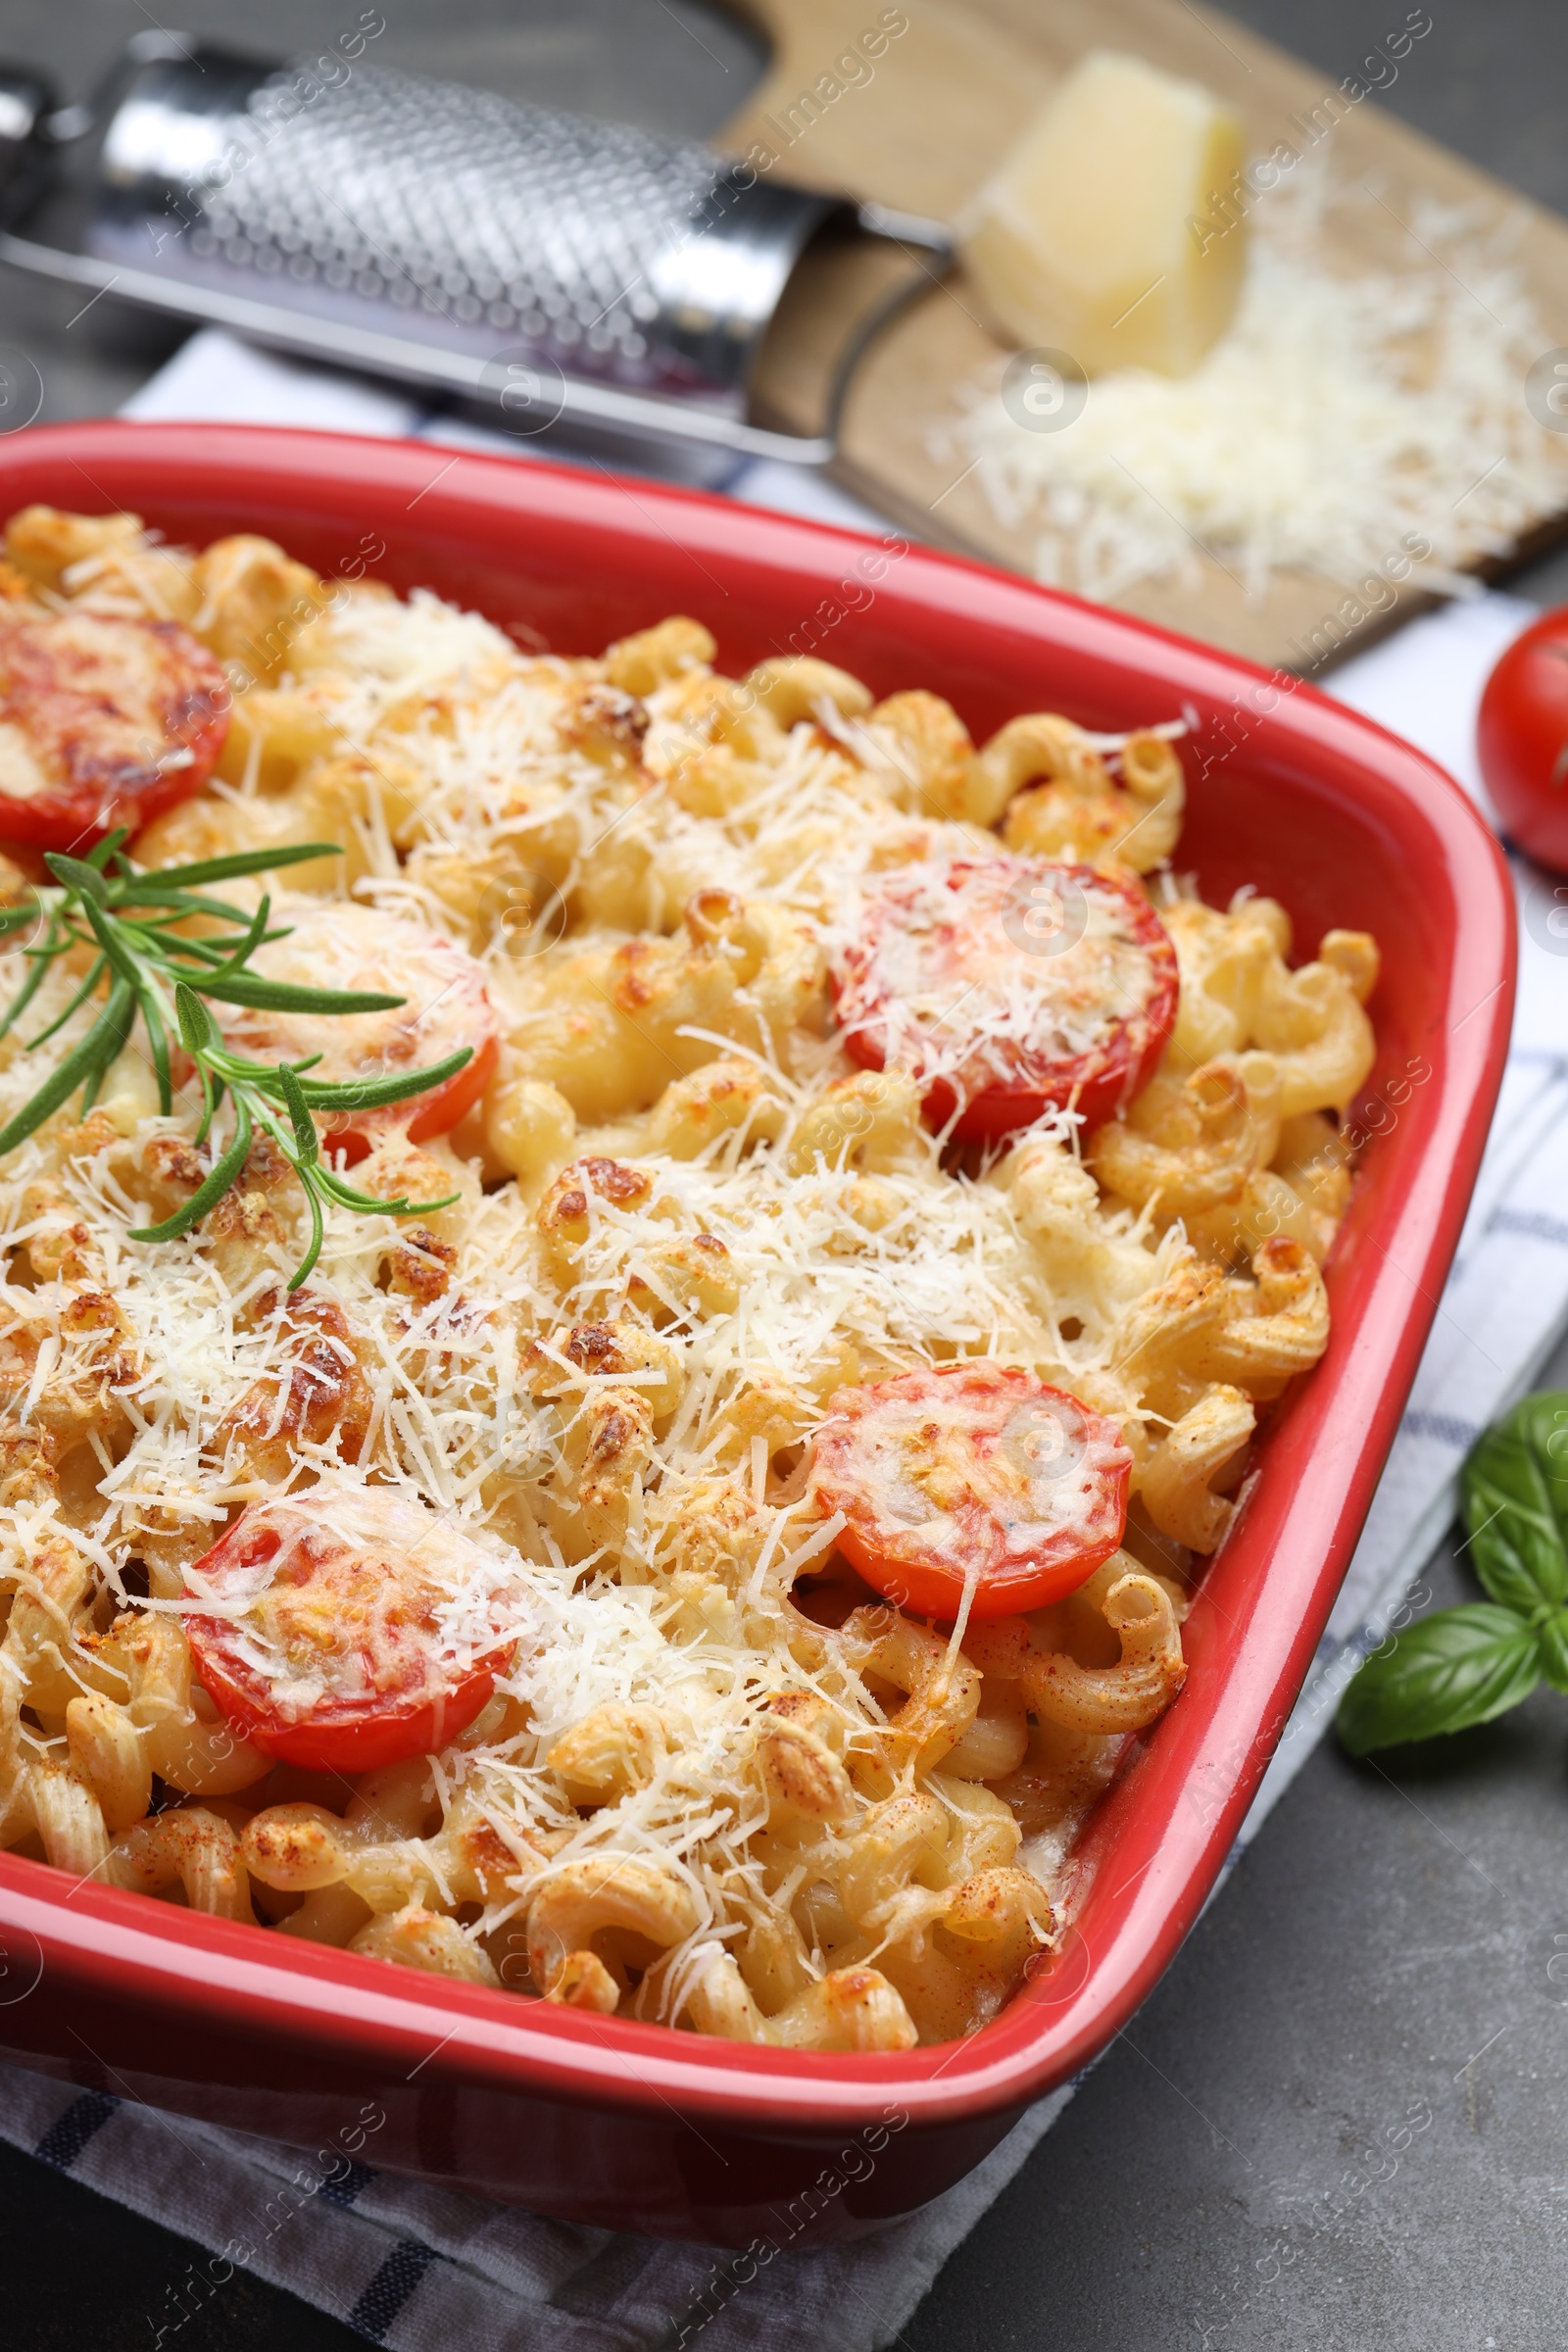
x=1448, y=1671
x=1515, y=1487
x=1552, y=1641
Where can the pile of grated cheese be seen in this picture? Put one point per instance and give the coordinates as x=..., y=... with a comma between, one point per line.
x=1345, y=422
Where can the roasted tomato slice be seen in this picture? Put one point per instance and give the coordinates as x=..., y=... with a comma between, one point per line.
x=445, y=1007
x=971, y=1475
x=347, y=1635
x=1008, y=985
x=104, y=720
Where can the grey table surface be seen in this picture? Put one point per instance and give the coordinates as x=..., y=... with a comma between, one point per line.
x=1341, y=2120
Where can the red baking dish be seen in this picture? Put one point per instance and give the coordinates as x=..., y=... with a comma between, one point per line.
x=671, y=2133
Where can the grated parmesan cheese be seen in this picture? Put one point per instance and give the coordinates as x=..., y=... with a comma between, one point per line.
x=1344, y=422
x=660, y=1571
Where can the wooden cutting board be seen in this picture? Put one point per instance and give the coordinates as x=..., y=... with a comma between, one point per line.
x=944, y=99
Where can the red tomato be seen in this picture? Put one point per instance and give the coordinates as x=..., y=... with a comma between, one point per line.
x=1522, y=738
x=1008, y=985
x=104, y=721
x=446, y=1007
x=332, y=1652
x=971, y=1471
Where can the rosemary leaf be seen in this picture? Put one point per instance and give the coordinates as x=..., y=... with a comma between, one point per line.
x=126, y=1022
x=131, y=919
x=162, y=893
x=372, y=1093
x=198, y=1030
x=111, y=938
x=83, y=1064
x=80, y=997
x=209, y=1193
x=304, y=1135
x=307, y=1264
x=109, y=846
x=77, y=875
x=42, y=958
x=152, y=1020
x=251, y=938
x=223, y=869
x=282, y=996
x=367, y=1205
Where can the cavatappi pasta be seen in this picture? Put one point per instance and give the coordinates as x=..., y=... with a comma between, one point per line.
x=720, y=1782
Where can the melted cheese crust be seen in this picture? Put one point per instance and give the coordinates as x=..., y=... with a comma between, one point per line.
x=683, y=1221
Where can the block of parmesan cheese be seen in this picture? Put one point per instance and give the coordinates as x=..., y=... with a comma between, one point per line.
x=1107, y=231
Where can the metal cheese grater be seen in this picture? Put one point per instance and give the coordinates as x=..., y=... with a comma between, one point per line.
x=554, y=266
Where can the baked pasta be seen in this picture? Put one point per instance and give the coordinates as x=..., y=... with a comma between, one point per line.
x=705, y=1568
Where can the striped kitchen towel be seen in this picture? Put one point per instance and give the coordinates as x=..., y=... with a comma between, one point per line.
x=425, y=2270
x=422, y=2269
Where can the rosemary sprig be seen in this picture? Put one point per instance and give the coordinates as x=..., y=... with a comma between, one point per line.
x=148, y=967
